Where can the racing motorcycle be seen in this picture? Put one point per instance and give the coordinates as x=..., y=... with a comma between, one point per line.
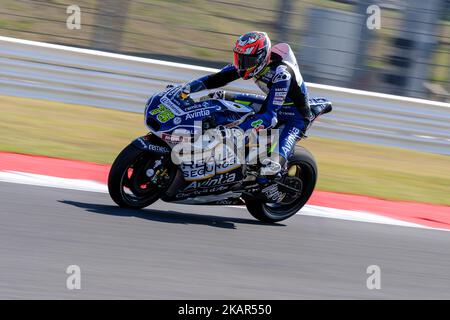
x=146, y=170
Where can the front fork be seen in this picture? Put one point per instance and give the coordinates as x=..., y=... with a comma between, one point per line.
x=158, y=173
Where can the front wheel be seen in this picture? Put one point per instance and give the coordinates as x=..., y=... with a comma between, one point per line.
x=134, y=181
x=304, y=168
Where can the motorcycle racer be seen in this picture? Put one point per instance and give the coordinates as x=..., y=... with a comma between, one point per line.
x=276, y=72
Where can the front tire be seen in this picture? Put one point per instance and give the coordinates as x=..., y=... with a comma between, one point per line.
x=307, y=173
x=132, y=190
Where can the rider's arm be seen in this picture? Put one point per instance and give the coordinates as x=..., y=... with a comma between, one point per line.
x=215, y=80
x=267, y=116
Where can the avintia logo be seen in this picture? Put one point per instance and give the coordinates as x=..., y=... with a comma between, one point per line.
x=197, y=114
x=222, y=179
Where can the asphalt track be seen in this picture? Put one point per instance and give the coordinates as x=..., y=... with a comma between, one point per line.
x=199, y=252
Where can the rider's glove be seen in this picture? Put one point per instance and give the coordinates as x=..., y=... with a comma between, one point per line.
x=185, y=91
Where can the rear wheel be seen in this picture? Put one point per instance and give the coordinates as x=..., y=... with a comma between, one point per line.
x=303, y=168
x=131, y=183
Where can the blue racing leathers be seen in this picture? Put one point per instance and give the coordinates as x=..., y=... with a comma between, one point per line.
x=284, y=106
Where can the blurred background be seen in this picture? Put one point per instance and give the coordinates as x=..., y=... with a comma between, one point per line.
x=409, y=55
x=88, y=105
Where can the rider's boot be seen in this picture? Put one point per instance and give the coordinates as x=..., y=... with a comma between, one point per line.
x=270, y=173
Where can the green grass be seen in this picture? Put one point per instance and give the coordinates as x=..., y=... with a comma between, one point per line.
x=64, y=130
x=94, y=134
x=385, y=172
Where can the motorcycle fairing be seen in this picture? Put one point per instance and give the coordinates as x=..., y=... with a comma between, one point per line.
x=165, y=113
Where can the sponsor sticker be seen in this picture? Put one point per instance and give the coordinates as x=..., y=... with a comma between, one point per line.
x=197, y=114
x=198, y=170
x=176, y=120
x=257, y=123
x=272, y=192
x=173, y=138
x=163, y=113
x=281, y=75
x=196, y=106
x=221, y=179
x=169, y=104
x=153, y=147
x=278, y=101
x=291, y=140
x=200, y=192
x=158, y=148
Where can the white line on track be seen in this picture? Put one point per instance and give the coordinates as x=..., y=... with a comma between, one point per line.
x=54, y=182
x=93, y=186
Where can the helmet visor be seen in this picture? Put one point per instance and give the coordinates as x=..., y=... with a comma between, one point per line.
x=243, y=62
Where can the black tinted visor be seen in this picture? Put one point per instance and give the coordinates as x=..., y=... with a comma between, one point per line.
x=245, y=61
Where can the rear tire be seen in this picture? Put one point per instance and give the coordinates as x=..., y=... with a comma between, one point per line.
x=118, y=175
x=277, y=212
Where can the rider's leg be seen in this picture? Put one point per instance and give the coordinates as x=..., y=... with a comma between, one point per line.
x=304, y=110
x=275, y=166
x=291, y=131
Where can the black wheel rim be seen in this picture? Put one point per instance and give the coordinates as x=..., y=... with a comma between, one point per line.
x=282, y=210
x=135, y=187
